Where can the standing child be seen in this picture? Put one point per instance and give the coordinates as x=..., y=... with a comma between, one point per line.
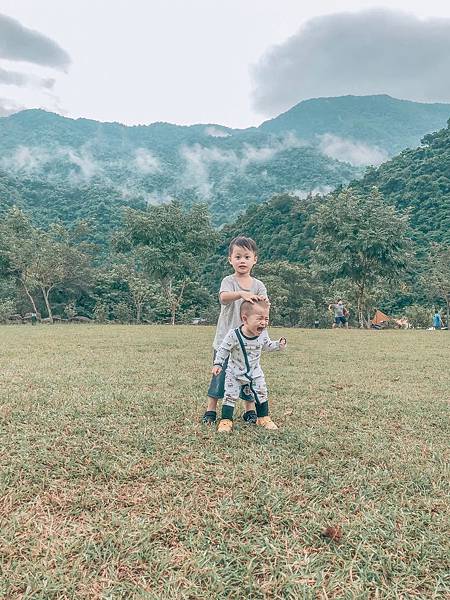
x=242, y=348
x=234, y=289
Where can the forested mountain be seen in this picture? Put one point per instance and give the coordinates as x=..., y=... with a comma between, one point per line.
x=59, y=168
x=419, y=180
x=227, y=169
x=376, y=121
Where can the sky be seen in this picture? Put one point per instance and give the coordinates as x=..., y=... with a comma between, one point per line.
x=230, y=62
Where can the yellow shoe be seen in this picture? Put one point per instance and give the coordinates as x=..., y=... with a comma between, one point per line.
x=225, y=426
x=266, y=422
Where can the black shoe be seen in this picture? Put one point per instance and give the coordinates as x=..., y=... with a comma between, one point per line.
x=250, y=417
x=209, y=418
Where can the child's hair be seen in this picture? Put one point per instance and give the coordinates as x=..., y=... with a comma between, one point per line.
x=242, y=242
x=247, y=308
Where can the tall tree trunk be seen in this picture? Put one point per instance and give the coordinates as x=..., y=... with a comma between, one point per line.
x=138, y=312
x=30, y=297
x=45, y=293
x=174, y=301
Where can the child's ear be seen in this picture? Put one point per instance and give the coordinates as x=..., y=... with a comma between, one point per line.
x=256, y=259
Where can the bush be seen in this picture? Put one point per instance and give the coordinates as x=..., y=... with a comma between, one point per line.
x=6, y=309
x=419, y=316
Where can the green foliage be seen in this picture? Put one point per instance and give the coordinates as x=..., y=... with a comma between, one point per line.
x=295, y=296
x=418, y=180
x=6, y=309
x=419, y=316
x=362, y=239
x=381, y=121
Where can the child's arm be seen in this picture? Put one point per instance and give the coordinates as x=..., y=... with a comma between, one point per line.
x=229, y=297
x=223, y=351
x=272, y=345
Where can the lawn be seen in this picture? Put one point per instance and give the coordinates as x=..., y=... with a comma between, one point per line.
x=110, y=488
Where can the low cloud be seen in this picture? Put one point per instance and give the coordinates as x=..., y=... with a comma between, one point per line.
x=321, y=190
x=216, y=132
x=21, y=43
x=30, y=160
x=21, y=79
x=146, y=162
x=199, y=159
x=376, y=51
x=356, y=153
x=25, y=160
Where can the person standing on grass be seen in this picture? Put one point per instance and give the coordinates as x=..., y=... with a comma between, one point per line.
x=340, y=314
x=235, y=289
x=437, y=320
x=242, y=348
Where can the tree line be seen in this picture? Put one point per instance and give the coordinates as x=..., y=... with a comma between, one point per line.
x=164, y=263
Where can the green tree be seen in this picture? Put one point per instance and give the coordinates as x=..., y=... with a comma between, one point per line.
x=172, y=244
x=292, y=291
x=361, y=238
x=436, y=278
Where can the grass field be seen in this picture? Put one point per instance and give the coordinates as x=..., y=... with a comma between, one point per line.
x=110, y=488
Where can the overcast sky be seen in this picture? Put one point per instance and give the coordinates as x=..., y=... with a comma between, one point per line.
x=232, y=62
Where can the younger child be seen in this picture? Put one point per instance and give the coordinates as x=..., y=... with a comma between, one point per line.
x=234, y=289
x=242, y=347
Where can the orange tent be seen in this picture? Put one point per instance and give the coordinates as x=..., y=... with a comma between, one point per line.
x=380, y=318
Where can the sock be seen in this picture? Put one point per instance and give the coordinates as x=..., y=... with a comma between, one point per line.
x=249, y=415
x=262, y=410
x=227, y=412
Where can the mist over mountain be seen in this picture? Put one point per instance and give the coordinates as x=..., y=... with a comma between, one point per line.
x=55, y=167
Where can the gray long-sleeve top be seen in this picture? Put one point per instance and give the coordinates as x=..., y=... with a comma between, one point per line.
x=231, y=348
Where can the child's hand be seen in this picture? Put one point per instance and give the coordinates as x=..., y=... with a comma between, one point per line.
x=249, y=297
x=216, y=369
x=283, y=343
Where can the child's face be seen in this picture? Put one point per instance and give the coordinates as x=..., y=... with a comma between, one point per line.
x=242, y=260
x=257, y=321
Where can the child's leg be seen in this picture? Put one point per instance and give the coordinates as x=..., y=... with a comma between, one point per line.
x=262, y=407
x=249, y=415
x=215, y=393
x=232, y=391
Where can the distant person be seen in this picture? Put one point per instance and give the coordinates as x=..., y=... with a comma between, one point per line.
x=340, y=314
x=242, y=348
x=437, y=321
x=235, y=289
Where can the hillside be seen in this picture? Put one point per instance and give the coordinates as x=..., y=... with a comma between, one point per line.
x=227, y=169
x=55, y=167
x=375, y=121
x=419, y=179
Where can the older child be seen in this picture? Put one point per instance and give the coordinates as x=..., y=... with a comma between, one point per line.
x=242, y=347
x=234, y=289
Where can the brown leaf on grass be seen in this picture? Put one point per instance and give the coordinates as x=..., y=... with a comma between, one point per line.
x=333, y=533
x=289, y=412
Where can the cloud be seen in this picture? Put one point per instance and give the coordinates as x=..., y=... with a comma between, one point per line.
x=35, y=159
x=20, y=79
x=8, y=107
x=321, y=190
x=356, y=153
x=369, y=52
x=26, y=160
x=146, y=162
x=198, y=160
x=20, y=43
x=216, y=132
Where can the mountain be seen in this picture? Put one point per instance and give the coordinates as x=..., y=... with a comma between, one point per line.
x=419, y=180
x=386, y=123
x=55, y=167
x=227, y=169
